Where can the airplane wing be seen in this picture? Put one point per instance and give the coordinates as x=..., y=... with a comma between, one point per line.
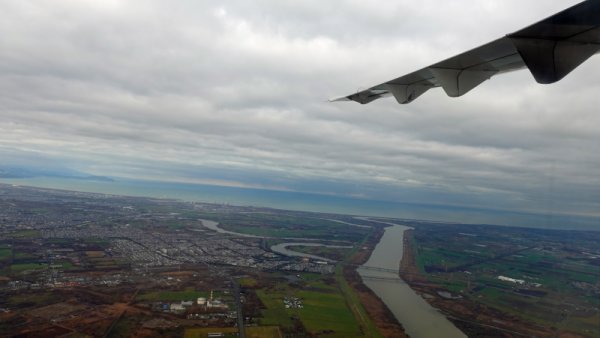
x=550, y=49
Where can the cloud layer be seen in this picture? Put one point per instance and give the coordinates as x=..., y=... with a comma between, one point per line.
x=235, y=93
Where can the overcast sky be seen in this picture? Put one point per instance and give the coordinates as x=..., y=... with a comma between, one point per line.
x=234, y=93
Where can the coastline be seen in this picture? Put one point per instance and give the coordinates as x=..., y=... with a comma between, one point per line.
x=380, y=314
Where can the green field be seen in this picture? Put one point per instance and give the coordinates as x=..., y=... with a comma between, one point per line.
x=25, y=234
x=5, y=254
x=337, y=254
x=175, y=224
x=275, y=312
x=27, y=266
x=560, y=277
x=66, y=265
x=36, y=298
x=248, y=282
x=325, y=310
x=359, y=312
x=281, y=225
x=21, y=256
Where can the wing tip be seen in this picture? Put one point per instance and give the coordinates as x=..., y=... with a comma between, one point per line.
x=339, y=99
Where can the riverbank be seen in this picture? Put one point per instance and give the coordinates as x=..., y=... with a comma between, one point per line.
x=381, y=317
x=471, y=317
x=380, y=314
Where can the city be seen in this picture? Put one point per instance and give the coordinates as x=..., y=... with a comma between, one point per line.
x=74, y=263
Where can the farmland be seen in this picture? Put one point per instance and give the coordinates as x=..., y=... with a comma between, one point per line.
x=188, y=294
x=548, y=278
x=79, y=264
x=251, y=332
x=288, y=224
x=324, y=311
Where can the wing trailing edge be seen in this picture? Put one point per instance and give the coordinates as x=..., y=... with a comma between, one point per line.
x=550, y=49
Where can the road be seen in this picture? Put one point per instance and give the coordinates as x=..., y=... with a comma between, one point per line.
x=238, y=304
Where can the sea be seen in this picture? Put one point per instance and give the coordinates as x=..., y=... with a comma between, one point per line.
x=300, y=201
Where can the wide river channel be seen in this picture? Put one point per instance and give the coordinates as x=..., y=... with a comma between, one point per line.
x=420, y=320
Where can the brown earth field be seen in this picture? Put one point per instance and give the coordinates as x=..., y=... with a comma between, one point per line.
x=383, y=318
x=474, y=319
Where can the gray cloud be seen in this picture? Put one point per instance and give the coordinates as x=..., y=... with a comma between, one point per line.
x=234, y=93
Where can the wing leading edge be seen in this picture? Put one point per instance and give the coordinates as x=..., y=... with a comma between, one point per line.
x=550, y=49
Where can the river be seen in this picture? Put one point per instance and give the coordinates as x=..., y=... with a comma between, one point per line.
x=282, y=248
x=279, y=248
x=212, y=225
x=420, y=320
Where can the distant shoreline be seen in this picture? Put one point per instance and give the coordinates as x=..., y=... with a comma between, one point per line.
x=298, y=201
